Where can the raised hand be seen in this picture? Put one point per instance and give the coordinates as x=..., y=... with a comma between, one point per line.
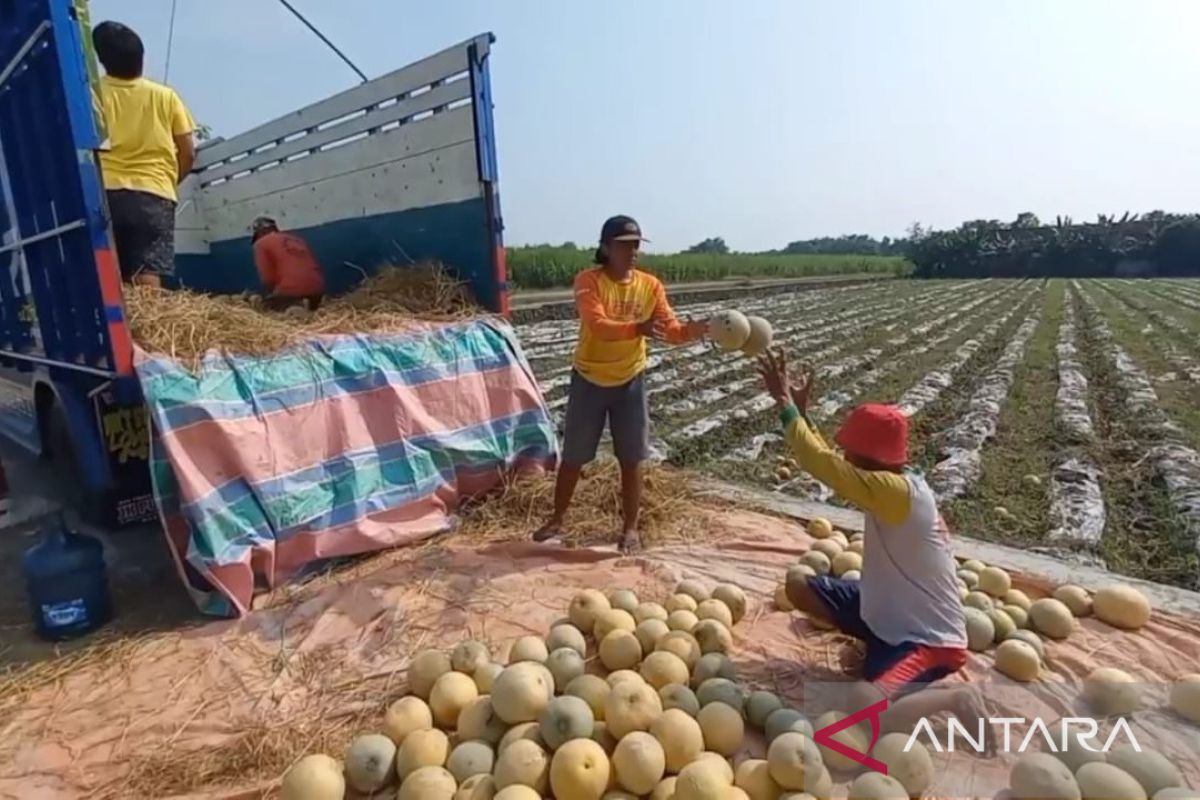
x=772, y=366
x=801, y=393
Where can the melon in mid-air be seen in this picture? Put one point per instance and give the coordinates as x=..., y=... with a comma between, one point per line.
x=729, y=329
x=760, y=337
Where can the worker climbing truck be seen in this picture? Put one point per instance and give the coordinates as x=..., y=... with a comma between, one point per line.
x=401, y=168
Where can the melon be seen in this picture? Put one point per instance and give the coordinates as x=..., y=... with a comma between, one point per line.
x=1111, y=691
x=681, y=738
x=1002, y=622
x=734, y=599
x=1017, y=614
x=760, y=705
x=974, y=565
x=1100, y=781
x=314, y=777
x=662, y=669
x=852, y=575
x=680, y=697
x=970, y=579
x=820, y=787
x=585, y=606
x=817, y=561
x=478, y=720
x=485, y=676
x=979, y=600
x=753, y=776
x=716, y=610
x=781, y=599
x=855, y=546
x=981, y=631
x=831, y=548
x=593, y=690
x=913, y=769
x=1185, y=697
x=820, y=528
x=521, y=692
x=721, y=690
x=602, y=737
x=876, y=786
x=424, y=670
x=579, y=771
x=1015, y=597
x=620, y=649
x=565, y=718
x=665, y=789
x=478, y=787
x=528, y=648
x=1075, y=598
x=853, y=737
x=517, y=792
x=1052, y=618
x=523, y=763
x=526, y=731
x=469, y=656
x=718, y=762
x=786, y=720
x=565, y=665
x=713, y=636
x=729, y=329
x=701, y=780
x=631, y=707
x=846, y=561
x=793, y=759
x=428, y=748
x=760, y=337
x=713, y=665
x=683, y=645
x=639, y=762
x=994, y=581
x=469, y=759
x=404, y=716
x=1149, y=768
x=1177, y=794
x=650, y=632
x=722, y=728
x=680, y=602
x=694, y=590
x=428, y=783
x=1121, y=606
x=1038, y=776
x=624, y=600
x=682, y=621
x=1032, y=639
x=451, y=694
x=1079, y=749
x=646, y=611
x=1018, y=660
x=561, y=636
x=624, y=676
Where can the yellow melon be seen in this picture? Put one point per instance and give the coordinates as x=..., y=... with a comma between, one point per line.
x=1015, y=597
x=665, y=789
x=682, y=645
x=729, y=329
x=1042, y=776
x=649, y=632
x=681, y=738
x=846, y=561
x=1111, y=691
x=529, y=731
x=781, y=599
x=314, y=777
x=713, y=637
x=579, y=771
x=753, y=776
x=1075, y=598
x=694, y=590
x=701, y=780
x=793, y=760
x=1185, y=697
x=620, y=649
x=612, y=620
x=1121, y=606
x=1100, y=780
x=631, y=707
x=662, y=668
x=478, y=720
x=624, y=676
x=428, y=783
x=566, y=636
x=910, y=764
x=722, y=727
x=404, y=716
x=428, y=748
x=623, y=599
x=853, y=737
x=523, y=763
x=517, y=792
x=451, y=693
x=817, y=561
x=477, y=787
x=759, y=340
x=995, y=581
x=584, y=608
x=733, y=597
x=593, y=690
x=485, y=676
x=820, y=528
x=469, y=656
x=1052, y=618
x=680, y=602
x=521, y=691
x=682, y=621
x=646, y=611
x=876, y=786
x=716, y=610
x=831, y=548
x=528, y=648
x=1018, y=660
x=639, y=762
x=424, y=670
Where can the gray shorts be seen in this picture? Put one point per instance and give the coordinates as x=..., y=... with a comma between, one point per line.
x=624, y=407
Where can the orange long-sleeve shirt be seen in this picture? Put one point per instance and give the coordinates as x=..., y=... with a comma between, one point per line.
x=287, y=267
x=610, y=350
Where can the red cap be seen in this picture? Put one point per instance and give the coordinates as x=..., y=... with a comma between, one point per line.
x=878, y=432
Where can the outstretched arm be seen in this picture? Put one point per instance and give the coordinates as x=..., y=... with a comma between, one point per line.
x=669, y=327
x=594, y=315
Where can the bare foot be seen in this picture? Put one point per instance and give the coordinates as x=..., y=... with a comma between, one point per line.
x=551, y=530
x=631, y=541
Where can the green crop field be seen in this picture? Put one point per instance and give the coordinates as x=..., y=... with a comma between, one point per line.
x=549, y=267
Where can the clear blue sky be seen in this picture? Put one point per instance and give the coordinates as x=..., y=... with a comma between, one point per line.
x=761, y=121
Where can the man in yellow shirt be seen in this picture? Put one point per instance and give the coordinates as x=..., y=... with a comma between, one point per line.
x=151, y=150
x=619, y=307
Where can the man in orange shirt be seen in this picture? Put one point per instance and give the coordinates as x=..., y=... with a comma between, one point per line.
x=619, y=307
x=290, y=274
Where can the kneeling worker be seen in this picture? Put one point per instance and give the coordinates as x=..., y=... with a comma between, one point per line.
x=286, y=266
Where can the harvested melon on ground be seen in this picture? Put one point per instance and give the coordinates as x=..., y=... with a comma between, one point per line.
x=529, y=731
x=713, y=637
x=517, y=792
x=1149, y=768
x=565, y=665
x=1015, y=597
x=722, y=727
x=1185, y=697
x=602, y=737
x=1078, y=748
x=981, y=631
x=565, y=718
x=911, y=765
x=424, y=670
x=703, y=780
x=521, y=692
x=721, y=690
x=831, y=548
x=428, y=783
x=994, y=581
x=593, y=690
x=646, y=611
x=485, y=676
x=1017, y=614
x=650, y=632
x=818, y=562
x=1039, y=776
x=1032, y=639
x=523, y=763
x=713, y=665
x=450, y=695
x=479, y=787
x=1075, y=598
x=624, y=676
x=1121, y=606
x=561, y=636
x=624, y=599
x=974, y=565
x=579, y=771
x=662, y=669
x=631, y=707
x=620, y=649
x=314, y=777
x=665, y=789
x=694, y=590
x=1018, y=660
x=469, y=759
x=1052, y=618
x=970, y=579
x=585, y=606
x=753, y=776
x=719, y=762
x=876, y=786
x=528, y=648
x=1111, y=691
x=715, y=609
x=469, y=656
x=479, y=721
x=680, y=697
x=760, y=705
x=682, y=645
x=404, y=716
x=681, y=620
x=1101, y=781
x=680, y=602
x=613, y=620
x=428, y=748
x=781, y=599
x=681, y=738
x=793, y=760
x=786, y=720
x=846, y=561
x=734, y=599
x=820, y=528
x=1002, y=622
x=639, y=762
x=853, y=737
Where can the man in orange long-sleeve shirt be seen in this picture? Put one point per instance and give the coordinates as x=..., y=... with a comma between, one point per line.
x=287, y=268
x=619, y=307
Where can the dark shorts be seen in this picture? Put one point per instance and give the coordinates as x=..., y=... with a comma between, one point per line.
x=144, y=232
x=281, y=303
x=893, y=668
x=624, y=408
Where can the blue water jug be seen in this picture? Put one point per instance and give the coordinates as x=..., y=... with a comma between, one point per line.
x=67, y=583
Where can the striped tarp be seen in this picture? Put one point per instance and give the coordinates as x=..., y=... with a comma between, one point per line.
x=264, y=466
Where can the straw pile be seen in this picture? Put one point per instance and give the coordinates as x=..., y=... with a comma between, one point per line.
x=185, y=325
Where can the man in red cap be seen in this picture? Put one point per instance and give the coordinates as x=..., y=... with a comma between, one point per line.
x=906, y=608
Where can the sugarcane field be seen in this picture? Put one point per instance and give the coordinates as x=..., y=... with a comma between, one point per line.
x=331, y=471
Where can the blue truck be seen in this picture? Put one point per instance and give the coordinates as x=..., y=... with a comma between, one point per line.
x=399, y=169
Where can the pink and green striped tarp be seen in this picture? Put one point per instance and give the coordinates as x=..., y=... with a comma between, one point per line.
x=266, y=466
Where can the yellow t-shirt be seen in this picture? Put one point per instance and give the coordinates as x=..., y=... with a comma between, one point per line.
x=143, y=119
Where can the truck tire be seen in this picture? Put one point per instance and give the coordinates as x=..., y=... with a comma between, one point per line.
x=90, y=505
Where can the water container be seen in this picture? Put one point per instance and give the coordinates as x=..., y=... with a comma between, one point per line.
x=67, y=583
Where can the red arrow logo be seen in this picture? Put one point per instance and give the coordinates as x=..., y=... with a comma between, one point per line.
x=825, y=736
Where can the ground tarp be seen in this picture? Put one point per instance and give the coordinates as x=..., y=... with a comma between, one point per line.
x=264, y=466
x=219, y=711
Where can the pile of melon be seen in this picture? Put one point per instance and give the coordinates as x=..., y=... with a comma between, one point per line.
x=833, y=553
x=1081, y=773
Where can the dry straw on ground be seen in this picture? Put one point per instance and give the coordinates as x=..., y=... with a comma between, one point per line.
x=185, y=325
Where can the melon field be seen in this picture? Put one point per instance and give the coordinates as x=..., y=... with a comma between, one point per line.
x=1061, y=416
